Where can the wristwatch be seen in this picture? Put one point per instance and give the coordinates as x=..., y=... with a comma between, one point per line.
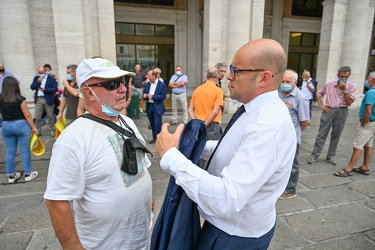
x=345, y=92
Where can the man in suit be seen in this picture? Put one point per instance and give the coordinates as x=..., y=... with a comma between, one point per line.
x=45, y=87
x=154, y=94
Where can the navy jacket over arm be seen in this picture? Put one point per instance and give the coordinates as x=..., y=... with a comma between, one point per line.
x=178, y=223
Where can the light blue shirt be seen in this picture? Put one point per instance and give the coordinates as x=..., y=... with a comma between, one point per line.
x=368, y=99
x=182, y=78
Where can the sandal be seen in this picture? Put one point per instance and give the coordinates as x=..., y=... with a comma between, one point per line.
x=343, y=173
x=361, y=171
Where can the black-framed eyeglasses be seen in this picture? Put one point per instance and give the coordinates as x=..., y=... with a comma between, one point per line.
x=109, y=85
x=233, y=71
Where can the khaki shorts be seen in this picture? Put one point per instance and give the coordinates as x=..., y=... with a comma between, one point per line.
x=140, y=92
x=365, y=136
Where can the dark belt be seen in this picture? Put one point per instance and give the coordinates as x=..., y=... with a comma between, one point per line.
x=178, y=93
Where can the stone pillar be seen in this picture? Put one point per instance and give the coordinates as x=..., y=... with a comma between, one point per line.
x=16, y=43
x=107, y=33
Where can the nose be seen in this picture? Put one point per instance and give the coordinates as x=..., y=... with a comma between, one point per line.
x=122, y=88
x=230, y=77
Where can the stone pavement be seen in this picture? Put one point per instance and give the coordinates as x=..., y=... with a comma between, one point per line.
x=328, y=213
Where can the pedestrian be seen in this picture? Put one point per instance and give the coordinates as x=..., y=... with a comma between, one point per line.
x=365, y=133
x=3, y=74
x=249, y=167
x=70, y=96
x=154, y=94
x=158, y=71
x=309, y=88
x=340, y=94
x=17, y=127
x=222, y=68
x=206, y=103
x=298, y=107
x=112, y=201
x=138, y=81
x=45, y=87
x=179, y=83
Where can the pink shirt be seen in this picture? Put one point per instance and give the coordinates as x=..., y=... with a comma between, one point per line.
x=334, y=96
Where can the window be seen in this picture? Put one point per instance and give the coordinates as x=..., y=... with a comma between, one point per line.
x=310, y=8
x=152, y=2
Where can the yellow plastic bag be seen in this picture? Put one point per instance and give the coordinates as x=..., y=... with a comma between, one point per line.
x=36, y=145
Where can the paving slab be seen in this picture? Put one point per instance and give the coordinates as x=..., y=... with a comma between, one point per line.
x=355, y=242
x=366, y=188
x=19, y=240
x=323, y=180
x=370, y=203
x=44, y=238
x=331, y=196
x=286, y=237
x=327, y=223
x=293, y=205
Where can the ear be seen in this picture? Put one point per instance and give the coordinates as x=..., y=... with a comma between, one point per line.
x=266, y=79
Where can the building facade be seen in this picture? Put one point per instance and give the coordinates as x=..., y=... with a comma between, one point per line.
x=317, y=35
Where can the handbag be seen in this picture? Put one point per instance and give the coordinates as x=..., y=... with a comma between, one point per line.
x=131, y=144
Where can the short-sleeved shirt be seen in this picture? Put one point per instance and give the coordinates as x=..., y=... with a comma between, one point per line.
x=138, y=79
x=71, y=103
x=12, y=111
x=181, y=78
x=334, y=96
x=299, y=110
x=369, y=99
x=306, y=90
x=204, y=98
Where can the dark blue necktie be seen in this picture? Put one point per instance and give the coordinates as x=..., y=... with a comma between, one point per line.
x=234, y=118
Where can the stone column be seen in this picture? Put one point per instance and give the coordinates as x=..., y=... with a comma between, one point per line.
x=16, y=43
x=107, y=33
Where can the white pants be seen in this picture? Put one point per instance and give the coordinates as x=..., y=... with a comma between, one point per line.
x=181, y=98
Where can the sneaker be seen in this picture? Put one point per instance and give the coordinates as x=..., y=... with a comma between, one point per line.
x=140, y=110
x=286, y=196
x=15, y=178
x=52, y=134
x=311, y=161
x=31, y=176
x=331, y=161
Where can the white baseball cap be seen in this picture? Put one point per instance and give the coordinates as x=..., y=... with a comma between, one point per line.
x=98, y=67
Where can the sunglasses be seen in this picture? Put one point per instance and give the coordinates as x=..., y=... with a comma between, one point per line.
x=110, y=85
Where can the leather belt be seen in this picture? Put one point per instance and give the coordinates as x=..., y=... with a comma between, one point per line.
x=178, y=93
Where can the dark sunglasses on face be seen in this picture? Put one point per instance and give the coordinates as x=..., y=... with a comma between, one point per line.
x=109, y=85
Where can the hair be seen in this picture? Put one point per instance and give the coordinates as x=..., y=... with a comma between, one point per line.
x=47, y=66
x=72, y=67
x=154, y=73
x=11, y=89
x=179, y=66
x=372, y=74
x=212, y=73
x=295, y=75
x=307, y=72
x=220, y=65
x=157, y=69
x=344, y=69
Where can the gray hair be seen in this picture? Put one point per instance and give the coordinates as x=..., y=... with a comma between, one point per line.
x=372, y=74
x=344, y=69
x=220, y=65
x=295, y=75
x=72, y=67
x=212, y=73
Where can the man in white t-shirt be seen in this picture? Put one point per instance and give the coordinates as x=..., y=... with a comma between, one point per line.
x=112, y=206
x=308, y=87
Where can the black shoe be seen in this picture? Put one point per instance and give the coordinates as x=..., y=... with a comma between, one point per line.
x=152, y=141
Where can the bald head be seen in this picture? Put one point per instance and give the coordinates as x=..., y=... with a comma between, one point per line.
x=212, y=73
x=41, y=70
x=265, y=54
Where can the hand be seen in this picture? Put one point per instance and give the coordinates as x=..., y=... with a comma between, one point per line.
x=324, y=108
x=166, y=140
x=149, y=96
x=144, y=96
x=40, y=79
x=342, y=86
x=34, y=131
x=41, y=89
x=58, y=117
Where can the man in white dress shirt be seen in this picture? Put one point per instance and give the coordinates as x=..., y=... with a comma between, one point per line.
x=251, y=165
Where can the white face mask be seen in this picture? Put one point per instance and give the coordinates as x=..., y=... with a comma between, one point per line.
x=178, y=73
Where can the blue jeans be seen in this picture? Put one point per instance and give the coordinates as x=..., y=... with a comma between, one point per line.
x=14, y=132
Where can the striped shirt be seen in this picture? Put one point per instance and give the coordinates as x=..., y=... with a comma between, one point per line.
x=334, y=95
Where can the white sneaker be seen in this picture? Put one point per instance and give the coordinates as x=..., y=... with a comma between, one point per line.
x=15, y=178
x=31, y=176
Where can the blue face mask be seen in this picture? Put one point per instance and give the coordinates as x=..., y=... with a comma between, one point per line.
x=110, y=111
x=286, y=87
x=48, y=72
x=41, y=75
x=341, y=80
x=69, y=77
x=178, y=73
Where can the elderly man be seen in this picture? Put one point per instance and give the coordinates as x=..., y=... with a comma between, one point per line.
x=112, y=205
x=206, y=103
x=45, y=87
x=340, y=94
x=249, y=167
x=298, y=106
x=155, y=93
x=222, y=69
x=365, y=133
x=178, y=83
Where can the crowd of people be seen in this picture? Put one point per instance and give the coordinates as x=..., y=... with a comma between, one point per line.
x=100, y=161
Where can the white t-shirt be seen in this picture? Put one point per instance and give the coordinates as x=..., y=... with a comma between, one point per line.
x=112, y=209
x=305, y=89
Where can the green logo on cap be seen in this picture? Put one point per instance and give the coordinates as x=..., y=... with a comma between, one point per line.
x=106, y=64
